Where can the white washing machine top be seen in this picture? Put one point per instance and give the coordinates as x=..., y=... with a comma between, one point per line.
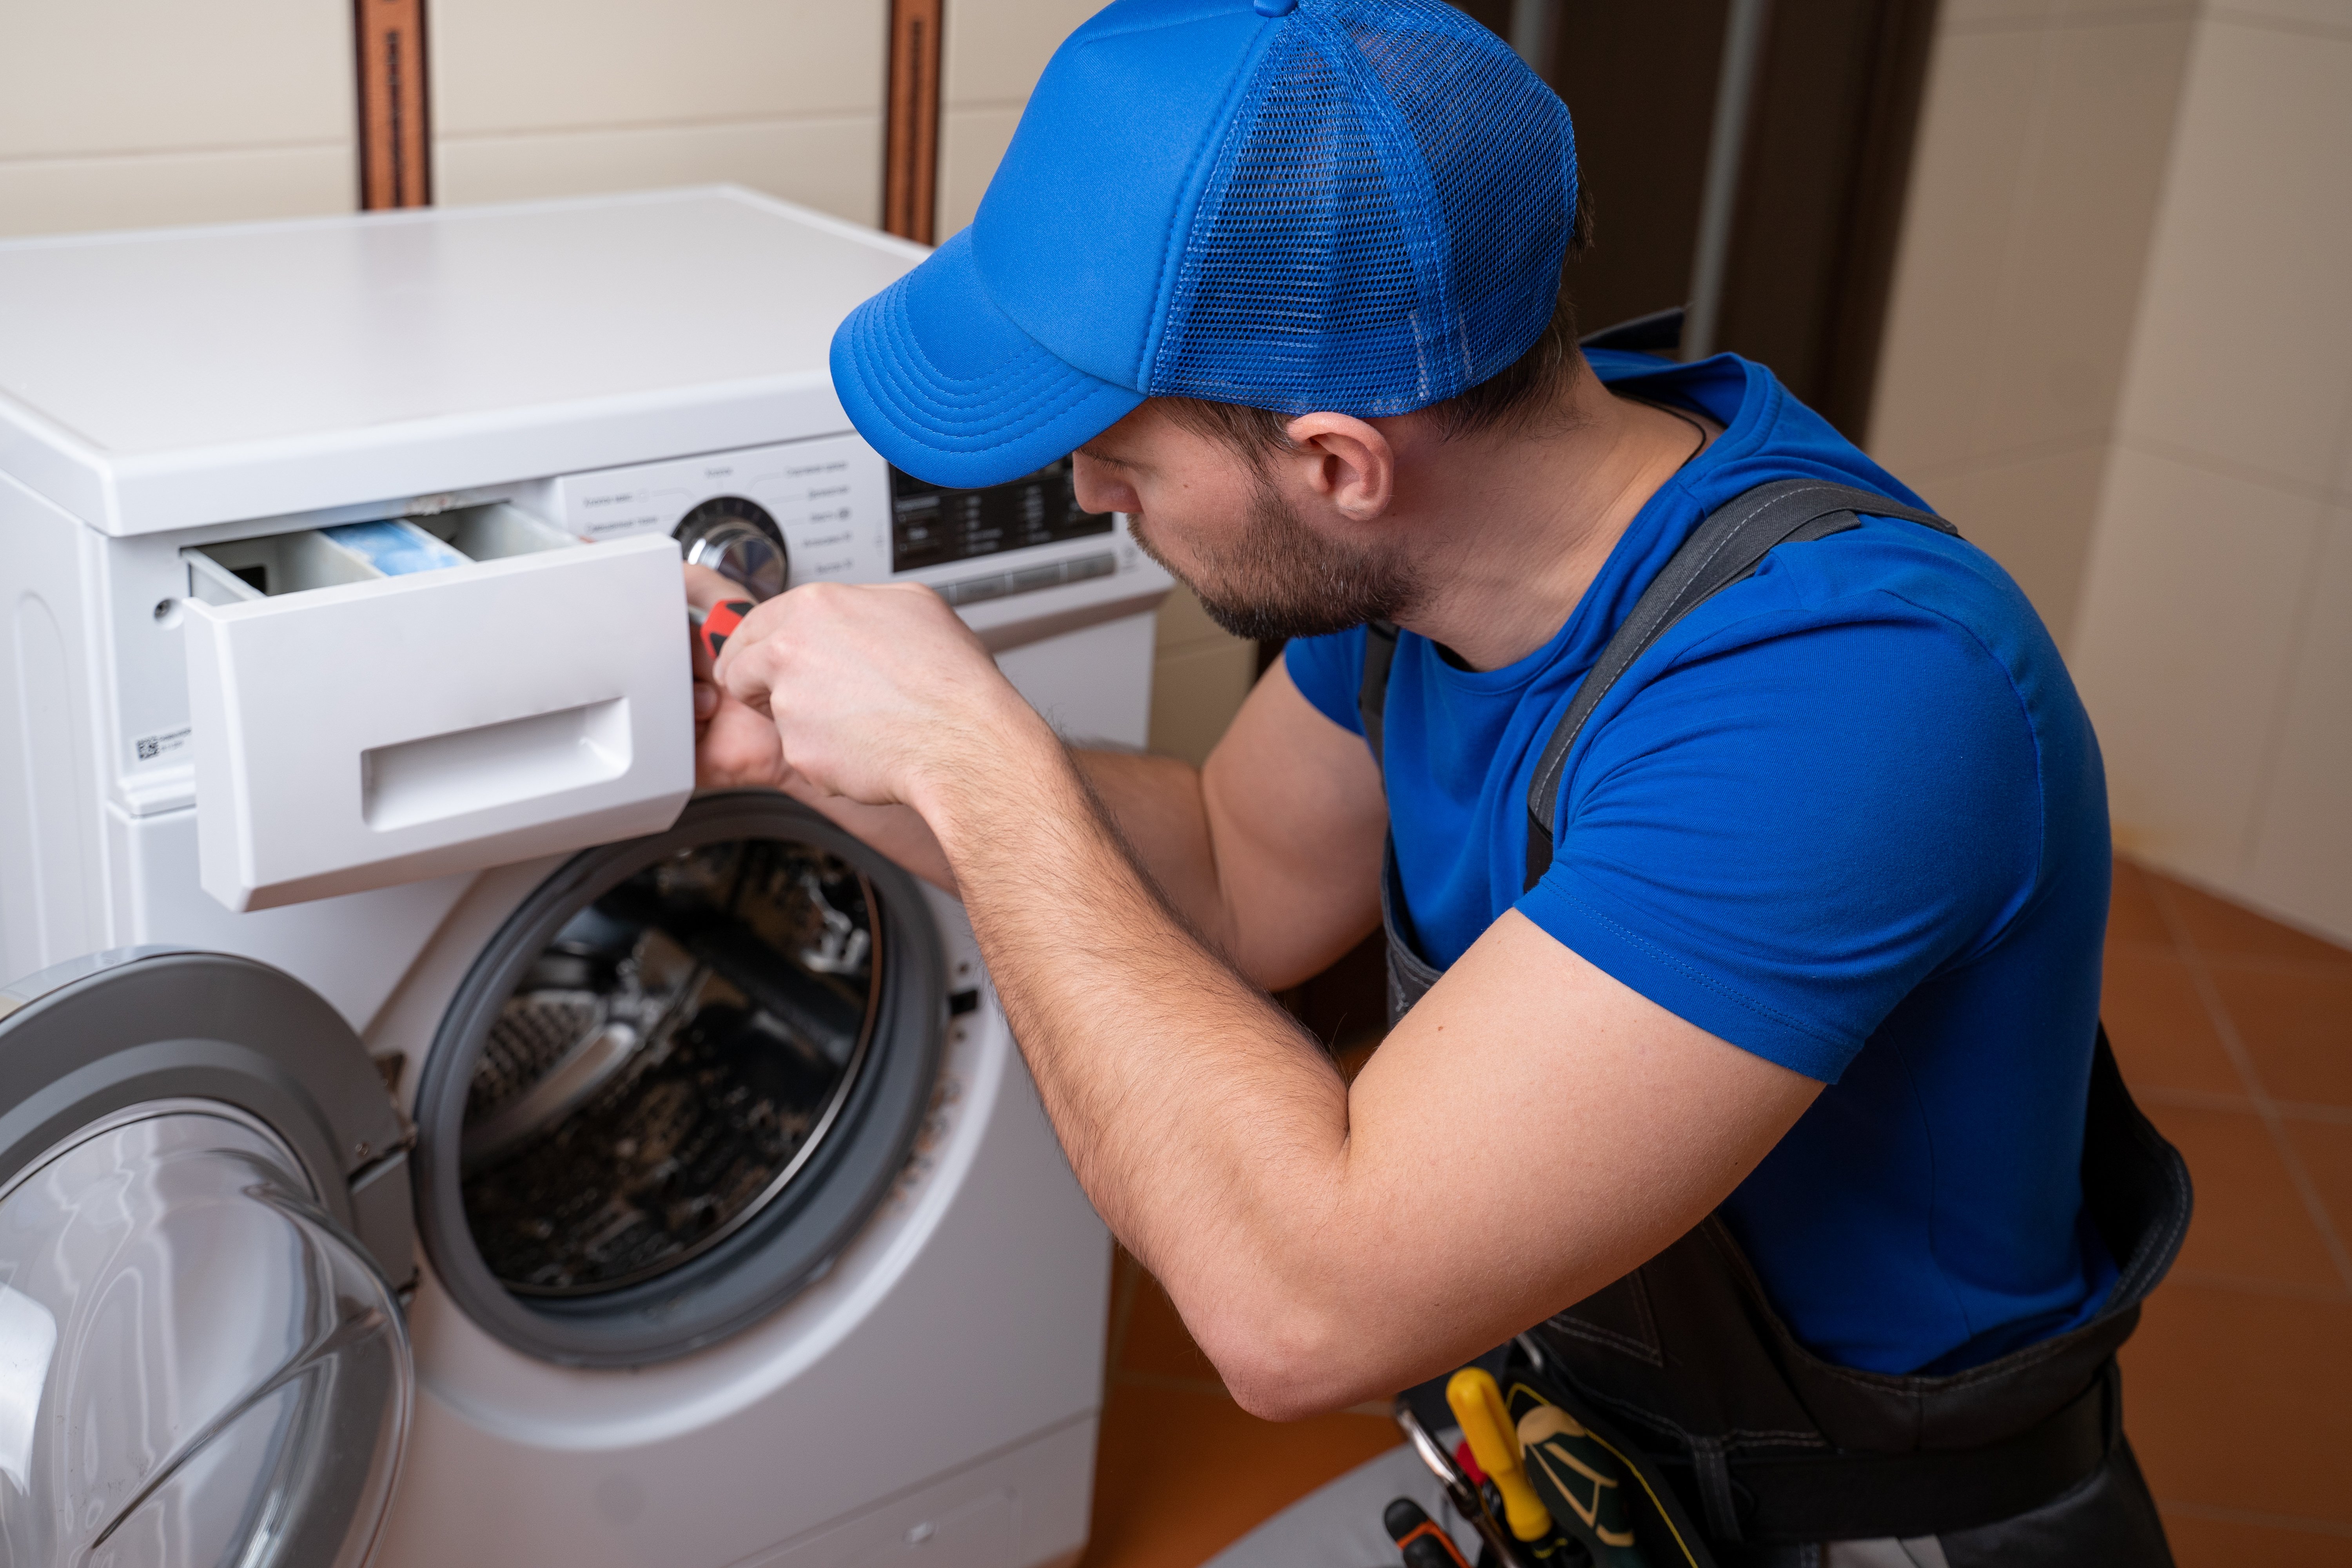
x=172, y=378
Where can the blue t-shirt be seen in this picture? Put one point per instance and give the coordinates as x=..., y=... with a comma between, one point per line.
x=1848, y=815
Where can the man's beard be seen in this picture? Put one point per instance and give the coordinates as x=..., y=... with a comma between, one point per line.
x=1281, y=579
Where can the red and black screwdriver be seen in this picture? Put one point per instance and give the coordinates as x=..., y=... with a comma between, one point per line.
x=716, y=624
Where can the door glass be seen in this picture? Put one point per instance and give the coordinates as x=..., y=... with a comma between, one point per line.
x=196, y=1367
x=667, y=1066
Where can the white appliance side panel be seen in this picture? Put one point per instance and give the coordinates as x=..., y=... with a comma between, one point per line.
x=1084, y=681
x=1020, y=1509
x=990, y=1330
x=351, y=950
x=53, y=884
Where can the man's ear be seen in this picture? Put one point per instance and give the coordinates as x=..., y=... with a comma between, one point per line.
x=1344, y=460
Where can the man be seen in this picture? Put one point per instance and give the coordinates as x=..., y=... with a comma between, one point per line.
x=1813, y=949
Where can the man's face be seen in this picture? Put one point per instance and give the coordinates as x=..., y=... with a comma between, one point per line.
x=1265, y=560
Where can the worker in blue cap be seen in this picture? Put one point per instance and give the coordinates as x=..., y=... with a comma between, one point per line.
x=1740, y=839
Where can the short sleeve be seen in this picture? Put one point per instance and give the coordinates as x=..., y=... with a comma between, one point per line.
x=1796, y=823
x=1329, y=673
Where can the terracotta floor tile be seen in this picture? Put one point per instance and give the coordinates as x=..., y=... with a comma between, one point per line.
x=1181, y=1476
x=2250, y=1222
x=2222, y=930
x=2201, y=1542
x=2162, y=1034
x=2327, y=1150
x=1158, y=1345
x=2296, y=1022
x=2132, y=915
x=2241, y=1401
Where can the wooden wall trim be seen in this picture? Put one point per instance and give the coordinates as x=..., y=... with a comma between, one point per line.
x=395, y=143
x=910, y=156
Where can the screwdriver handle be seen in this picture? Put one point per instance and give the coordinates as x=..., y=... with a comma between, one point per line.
x=716, y=624
x=1478, y=1403
x=1418, y=1539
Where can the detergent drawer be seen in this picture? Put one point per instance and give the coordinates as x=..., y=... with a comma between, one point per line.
x=355, y=728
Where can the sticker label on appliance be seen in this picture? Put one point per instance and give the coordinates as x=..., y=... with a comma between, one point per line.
x=148, y=748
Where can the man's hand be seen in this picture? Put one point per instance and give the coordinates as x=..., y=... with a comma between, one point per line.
x=844, y=698
x=735, y=747
x=875, y=694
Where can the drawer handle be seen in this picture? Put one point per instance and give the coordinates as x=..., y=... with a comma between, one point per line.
x=442, y=776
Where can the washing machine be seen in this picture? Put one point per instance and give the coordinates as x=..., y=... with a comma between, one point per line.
x=430, y=1132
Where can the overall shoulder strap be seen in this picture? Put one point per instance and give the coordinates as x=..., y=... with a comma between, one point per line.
x=1372, y=696
x=1726, y=547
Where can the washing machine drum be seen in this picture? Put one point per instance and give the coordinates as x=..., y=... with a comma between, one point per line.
x=678, y=1082
x=202, y=1214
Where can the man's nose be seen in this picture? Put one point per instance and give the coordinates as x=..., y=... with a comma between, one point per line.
x=1097, y=486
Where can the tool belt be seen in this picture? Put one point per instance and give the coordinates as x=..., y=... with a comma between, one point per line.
x=1741, y=1446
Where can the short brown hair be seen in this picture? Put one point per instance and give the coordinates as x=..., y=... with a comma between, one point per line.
x=1514, y=398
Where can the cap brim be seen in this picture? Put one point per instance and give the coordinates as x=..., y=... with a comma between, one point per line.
x=943, y=384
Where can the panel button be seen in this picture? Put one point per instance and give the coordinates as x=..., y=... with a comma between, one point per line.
x=1037, y=577
x=971, y=590
x=1087, y=566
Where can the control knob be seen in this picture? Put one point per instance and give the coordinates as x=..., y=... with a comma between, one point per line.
x=738, y=540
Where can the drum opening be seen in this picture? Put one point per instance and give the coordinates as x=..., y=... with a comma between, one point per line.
x=667, y=1065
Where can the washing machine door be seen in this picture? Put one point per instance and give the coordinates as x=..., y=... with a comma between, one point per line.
x=201, y=1362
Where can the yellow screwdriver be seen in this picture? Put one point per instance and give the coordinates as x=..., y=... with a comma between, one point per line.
x=1477, y=1404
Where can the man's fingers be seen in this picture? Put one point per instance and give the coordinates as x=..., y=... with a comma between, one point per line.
x=738, y=747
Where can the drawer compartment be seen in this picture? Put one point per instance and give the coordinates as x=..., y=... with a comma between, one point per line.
x=356, y=727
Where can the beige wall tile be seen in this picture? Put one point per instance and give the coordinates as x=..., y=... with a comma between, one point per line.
x=2335, y=16
x=2084, y=216
x=1195, y=692
x=971, y=141
x=1200, y=675
x=2184, y=640
x=1184, y=625
x=2302, y=861
x=835, y=165
x=1977, y=124
x=2034, y=516
x=2246, y=344
x=1982, y=15
x=66, y=195
x=131, y=75
x=545, y=65
x=995, y=49
x=2097, y=13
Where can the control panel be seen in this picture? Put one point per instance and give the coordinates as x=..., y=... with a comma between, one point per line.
x=834, y=511
x=826, y=500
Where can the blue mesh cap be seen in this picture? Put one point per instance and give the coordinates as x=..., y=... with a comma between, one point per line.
x=1359, y=206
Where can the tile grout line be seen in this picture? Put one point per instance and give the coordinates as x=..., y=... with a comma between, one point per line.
x=2294, y=1521
x=2226, y=1027
x=2209, y=1100
x=2253, y=1285
x=1165, y=1384
x=1127, y=1271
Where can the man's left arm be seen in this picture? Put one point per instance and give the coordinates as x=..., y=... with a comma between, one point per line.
x=1530, y=1132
